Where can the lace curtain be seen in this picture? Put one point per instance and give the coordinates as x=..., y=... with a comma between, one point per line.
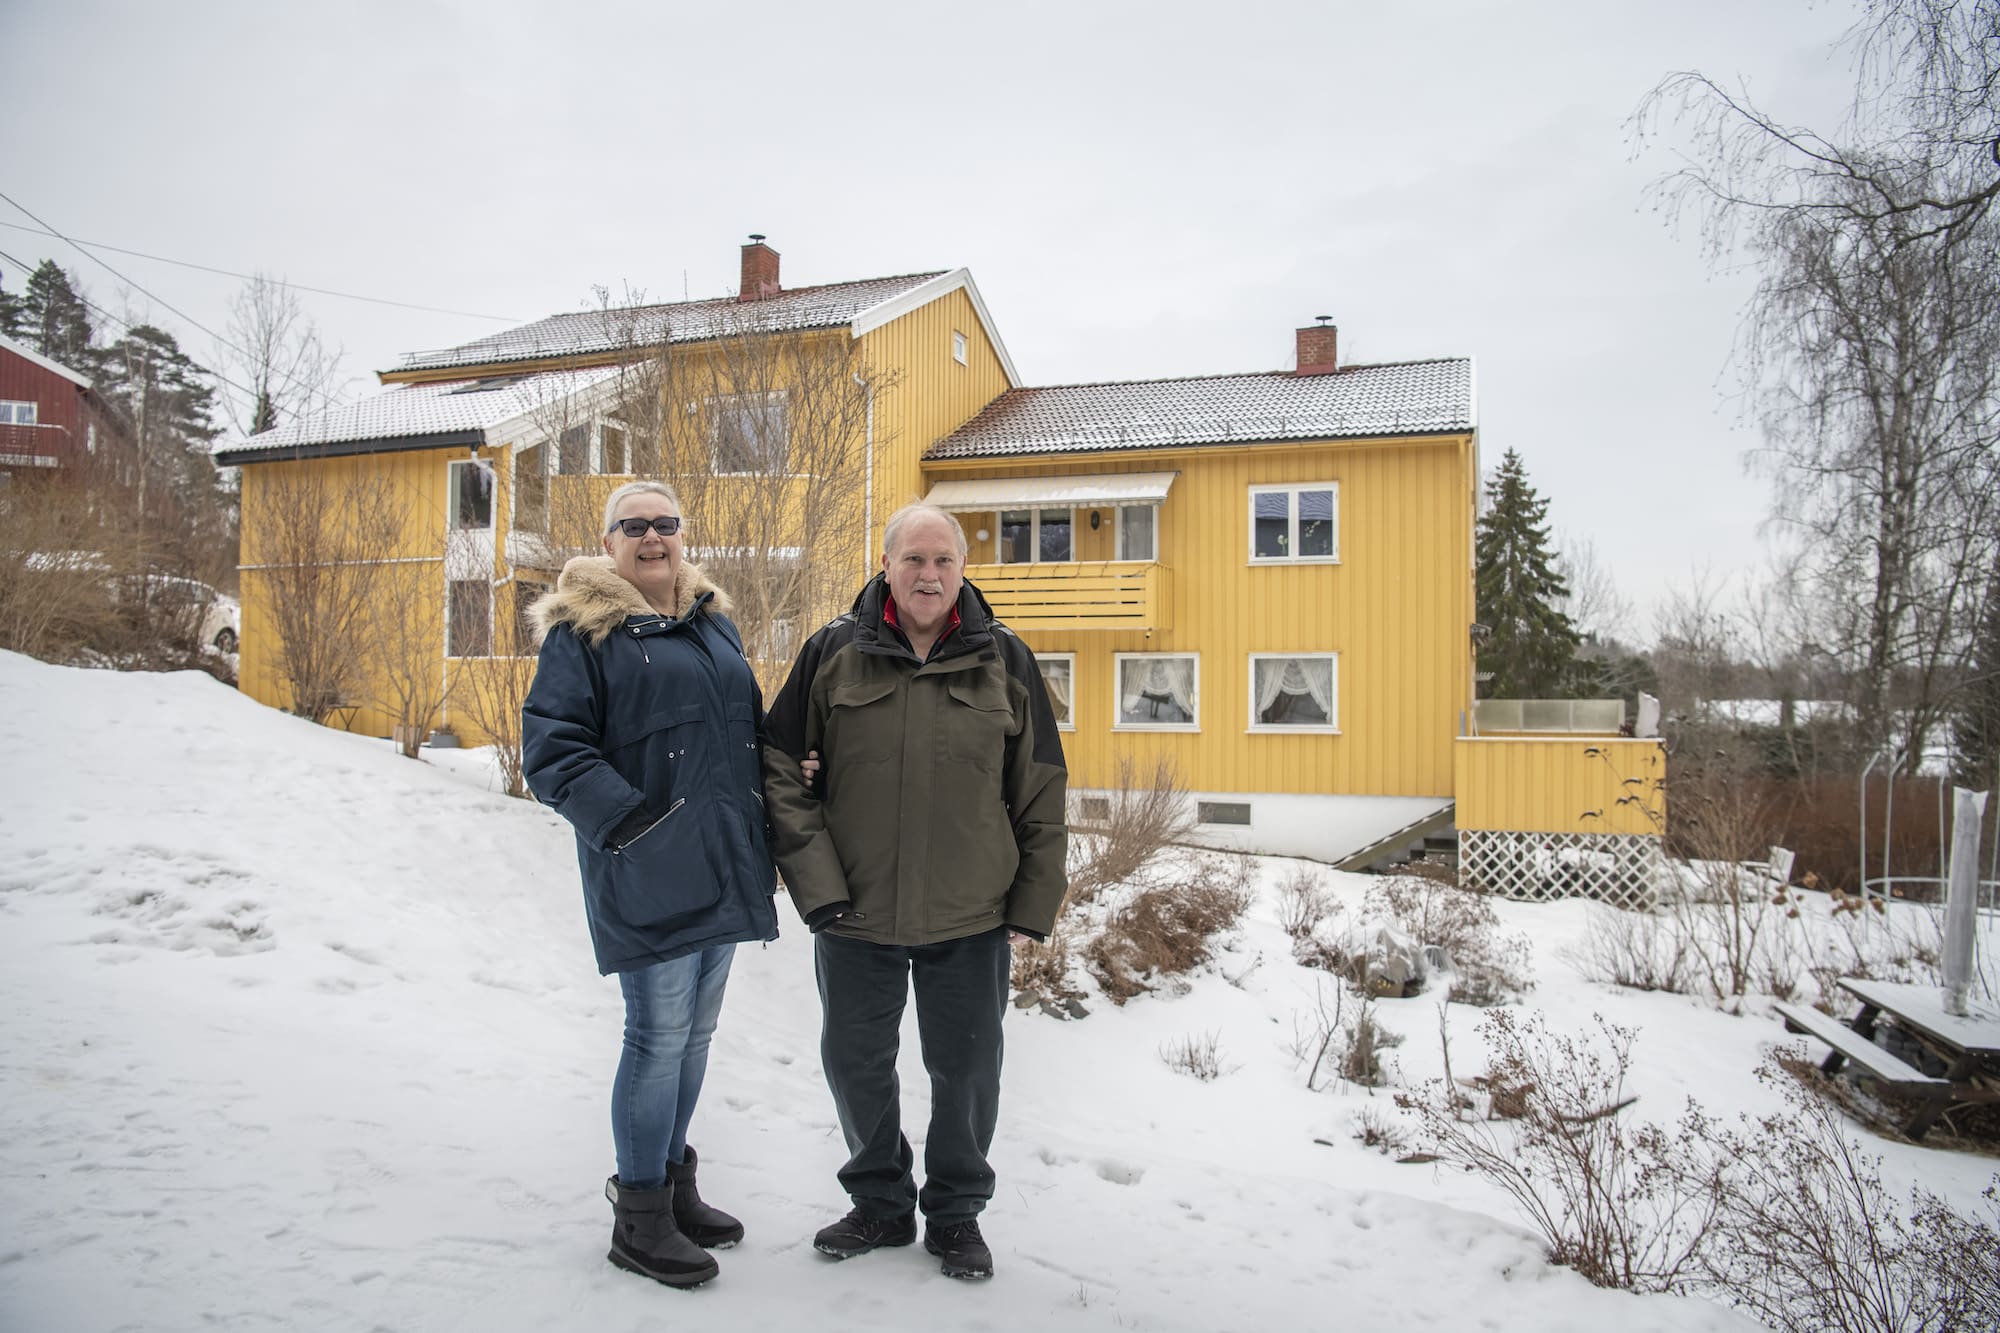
x=1055, y=675
x=1156, y=680
x=1308, y=676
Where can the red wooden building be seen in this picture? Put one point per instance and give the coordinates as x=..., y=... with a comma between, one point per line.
x=47, y=417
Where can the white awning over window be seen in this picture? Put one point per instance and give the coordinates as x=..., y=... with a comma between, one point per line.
x=1118, y=488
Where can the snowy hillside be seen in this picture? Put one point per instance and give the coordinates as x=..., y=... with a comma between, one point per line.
x=301, y=1034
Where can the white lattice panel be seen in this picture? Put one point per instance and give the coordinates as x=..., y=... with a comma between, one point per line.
x=1622, y=869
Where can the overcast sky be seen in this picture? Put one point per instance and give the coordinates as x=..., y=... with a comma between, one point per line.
x=1140, y=190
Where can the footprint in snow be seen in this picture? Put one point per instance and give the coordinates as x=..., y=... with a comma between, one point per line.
x=1120, y=1173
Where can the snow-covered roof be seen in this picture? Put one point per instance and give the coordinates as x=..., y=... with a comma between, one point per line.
x=1405, y=398
x=27, y=353
x=592, y=332
x=447, y=412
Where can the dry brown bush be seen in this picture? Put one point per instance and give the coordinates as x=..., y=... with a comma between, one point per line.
x=55, y=580
x=1144, y=814
x=1637, y=950
x=1043, y=966
x=1167, y=930
x=1376, y=1126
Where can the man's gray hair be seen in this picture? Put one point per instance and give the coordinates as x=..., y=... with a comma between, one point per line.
x=898, y=520
x=637, y=488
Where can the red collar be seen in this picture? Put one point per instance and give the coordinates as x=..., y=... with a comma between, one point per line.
x=889, y=618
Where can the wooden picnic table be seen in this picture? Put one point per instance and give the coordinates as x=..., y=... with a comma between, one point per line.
x=1967, y=1045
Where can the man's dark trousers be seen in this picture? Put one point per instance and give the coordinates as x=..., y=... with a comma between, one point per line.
x=961, y=990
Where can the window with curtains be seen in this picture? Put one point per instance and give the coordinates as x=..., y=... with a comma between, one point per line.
x=1059, y=675
x=1158, y=692
x=1295, y=523
x=1294, y=692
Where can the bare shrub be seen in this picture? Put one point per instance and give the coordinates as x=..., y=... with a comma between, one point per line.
x=1303, y=903
x=1813, y=1241
x=55, y=581
x=1376, y=1126
x=320, y=528
x=1342, y=1044
x=1144, y=813
x=1200, y=1056
x=1637, y=950
x=1598, y=1189
x=1042, y=966
x=1487, y=965
x=1167, y=930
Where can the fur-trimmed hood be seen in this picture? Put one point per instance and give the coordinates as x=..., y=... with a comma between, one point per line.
x=593, y=598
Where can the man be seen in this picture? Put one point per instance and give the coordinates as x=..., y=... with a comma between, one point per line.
x=933, y=832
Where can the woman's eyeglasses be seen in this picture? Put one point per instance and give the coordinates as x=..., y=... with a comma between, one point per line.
x=666, y=525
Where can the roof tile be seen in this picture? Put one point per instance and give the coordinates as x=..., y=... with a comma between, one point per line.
x=1405, y=398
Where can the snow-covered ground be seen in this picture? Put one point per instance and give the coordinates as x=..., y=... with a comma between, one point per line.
x=301, y=1034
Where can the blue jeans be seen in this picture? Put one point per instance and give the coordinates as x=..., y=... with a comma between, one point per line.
x=670, y=1013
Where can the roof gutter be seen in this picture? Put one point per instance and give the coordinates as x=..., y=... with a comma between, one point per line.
x=281, y=453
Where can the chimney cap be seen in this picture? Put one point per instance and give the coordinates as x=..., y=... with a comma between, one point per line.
x=1324, y=319
x=757, y=236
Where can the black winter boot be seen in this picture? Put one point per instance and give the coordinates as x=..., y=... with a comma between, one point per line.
x=706, y=1226
x=644, y=1239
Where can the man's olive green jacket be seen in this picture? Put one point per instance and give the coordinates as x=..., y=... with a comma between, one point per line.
x=939, y=810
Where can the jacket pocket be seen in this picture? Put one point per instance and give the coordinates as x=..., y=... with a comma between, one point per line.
x=978, y=716
x=864, y=722
x=664, y=872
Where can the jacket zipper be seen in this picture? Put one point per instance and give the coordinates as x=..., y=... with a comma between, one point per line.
x=620, y=848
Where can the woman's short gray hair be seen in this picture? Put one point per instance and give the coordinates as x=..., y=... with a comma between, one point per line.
x=894, y=527
x=637, y=488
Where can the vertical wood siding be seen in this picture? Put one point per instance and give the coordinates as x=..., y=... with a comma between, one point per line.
x=1587, y=785
x=1397, y=610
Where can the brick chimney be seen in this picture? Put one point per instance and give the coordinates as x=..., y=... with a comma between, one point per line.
x=1318, y=345
x=760, y=271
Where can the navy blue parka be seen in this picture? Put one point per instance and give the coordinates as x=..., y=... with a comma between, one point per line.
x=642, y=731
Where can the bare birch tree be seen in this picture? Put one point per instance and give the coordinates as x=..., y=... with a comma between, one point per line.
x=1873, y=344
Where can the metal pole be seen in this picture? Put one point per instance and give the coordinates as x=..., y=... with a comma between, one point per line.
x=1866, y=769
x=1961, y=896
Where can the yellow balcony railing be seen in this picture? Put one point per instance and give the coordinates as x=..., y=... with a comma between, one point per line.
x=1090, y=594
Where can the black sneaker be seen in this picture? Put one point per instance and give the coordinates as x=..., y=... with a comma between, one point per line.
x=858, y=1233
x=961, y=1248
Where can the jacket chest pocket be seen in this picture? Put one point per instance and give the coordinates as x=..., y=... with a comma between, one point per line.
x=977, y=719
x=864, y=723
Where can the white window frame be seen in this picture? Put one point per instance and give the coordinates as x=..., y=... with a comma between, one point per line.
x=20, y=412
x=1034, y=534
x=1118, y=722
x=1328, y=728
x=1292, y=490
x=1070, y=658
x=958, y=347
x=452, y=489
x=1118, y=532
x=729, y=402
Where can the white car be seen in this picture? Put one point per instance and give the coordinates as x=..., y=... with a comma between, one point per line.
x=207, y=618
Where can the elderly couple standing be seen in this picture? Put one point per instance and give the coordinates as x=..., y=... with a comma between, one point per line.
x=933, y=834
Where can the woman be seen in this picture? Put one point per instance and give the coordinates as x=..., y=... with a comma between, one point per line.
x=641, y=730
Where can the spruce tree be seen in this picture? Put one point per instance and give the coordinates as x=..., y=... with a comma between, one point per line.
x=1531, y=645
x=50, y=317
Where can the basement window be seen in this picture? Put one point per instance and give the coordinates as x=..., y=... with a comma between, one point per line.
x=1095, y=809
x=1222, y=812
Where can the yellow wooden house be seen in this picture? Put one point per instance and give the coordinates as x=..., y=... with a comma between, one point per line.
x=1266, y=578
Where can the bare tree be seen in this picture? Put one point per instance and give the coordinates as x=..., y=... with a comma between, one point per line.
x=1873, y=344
x=274, y=350
x=1594, y=606
x=322, y=528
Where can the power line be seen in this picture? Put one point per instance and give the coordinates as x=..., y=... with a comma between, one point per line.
x=251, y=277
x=128, y=326
x=135, y=286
